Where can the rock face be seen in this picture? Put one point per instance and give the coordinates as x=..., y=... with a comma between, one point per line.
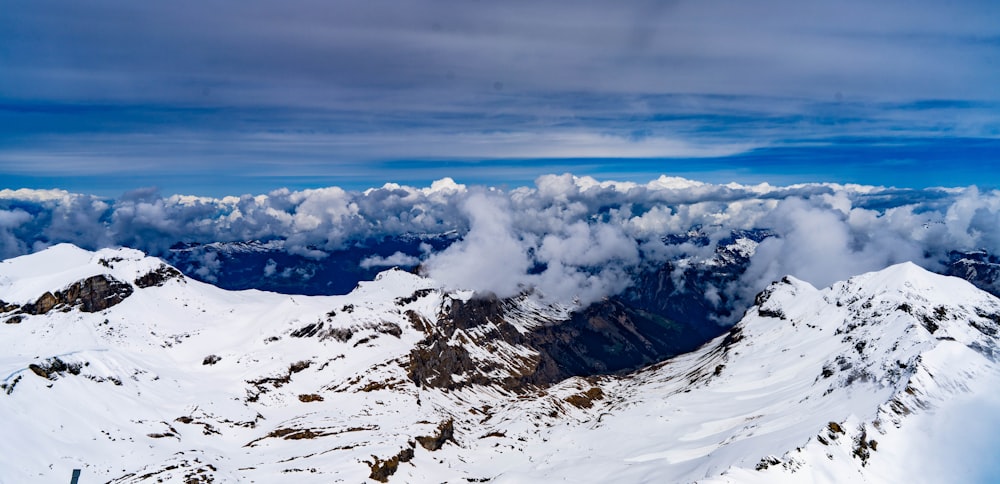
x=610, y=337
x=444, y=359
x=538, y=348
x=669, y=310
x=157, y=277
x=93, y=294
x=686, y=290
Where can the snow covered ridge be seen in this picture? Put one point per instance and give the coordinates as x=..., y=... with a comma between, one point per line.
x=142, y=375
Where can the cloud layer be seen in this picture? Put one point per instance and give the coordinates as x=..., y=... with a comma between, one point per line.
x=171, y=93
x=570, y=238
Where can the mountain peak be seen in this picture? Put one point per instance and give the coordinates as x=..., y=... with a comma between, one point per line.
x=26, y=278
x=908, y=281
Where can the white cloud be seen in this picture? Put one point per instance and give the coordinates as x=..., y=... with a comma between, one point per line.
x=490, y=257
x=270, y=268
x=568, y=237
x=397, y=259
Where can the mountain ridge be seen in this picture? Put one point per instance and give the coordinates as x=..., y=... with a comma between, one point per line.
x=186, y=381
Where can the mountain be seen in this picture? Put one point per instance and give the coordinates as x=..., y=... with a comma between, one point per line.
x=976, y=266
x=271, y=266
x=117, y=364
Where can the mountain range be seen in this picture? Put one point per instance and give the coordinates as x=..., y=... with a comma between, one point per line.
x=123, y=366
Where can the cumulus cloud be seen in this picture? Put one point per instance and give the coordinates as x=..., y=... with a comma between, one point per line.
x=10, y=245
x=270, y=268
x=491, y=257
x=567, y=237
x=396, y=259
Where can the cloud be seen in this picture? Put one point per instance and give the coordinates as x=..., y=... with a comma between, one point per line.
x=961, y=436
x=566, y=237
x=10, y=245
x=270, y=268
x=308, y=89
x=396, y=259
x=491, y=257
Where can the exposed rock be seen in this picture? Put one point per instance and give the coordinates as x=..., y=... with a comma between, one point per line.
x=8, y=388
x=158, y=277
x=381, y=470
x=419, y=323
x=8, y=307
x=660, y=317
x=386, y=327
x=44, y=304
x=307, y=331
x=606, y=337
x=266, y=384
x=211, y=360
x=585, y=399
x=93, y=294
x=340, y=334
x=445, y=432
x=96, y=293
x=288, y=433
x=310, y=397
x=419, y=293
x=436, y=360
x=53, y=367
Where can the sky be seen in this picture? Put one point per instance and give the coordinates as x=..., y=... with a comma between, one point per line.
x=217, y=98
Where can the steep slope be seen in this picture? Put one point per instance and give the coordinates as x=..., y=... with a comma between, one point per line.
x=811, y=386
x=115, y=363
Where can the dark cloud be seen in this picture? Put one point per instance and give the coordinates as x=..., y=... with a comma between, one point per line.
x=319, y=88
x=194, y=50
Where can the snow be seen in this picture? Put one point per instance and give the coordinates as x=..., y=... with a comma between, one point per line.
x=884, y=355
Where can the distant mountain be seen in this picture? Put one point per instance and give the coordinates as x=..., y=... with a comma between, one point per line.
x=268, y=266
x=118, y=364
x=682, y=288
x=978, y=267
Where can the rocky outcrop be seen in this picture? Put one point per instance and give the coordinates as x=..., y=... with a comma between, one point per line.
x=608, y=337
x=605, y=338
x=93, y=294
x=8, y=307
x=443, y=359
x=445, y=433
x=382, y=469
x=158, y=277
x=53, y=367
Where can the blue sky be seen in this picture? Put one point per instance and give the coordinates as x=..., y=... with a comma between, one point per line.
x=196, y=97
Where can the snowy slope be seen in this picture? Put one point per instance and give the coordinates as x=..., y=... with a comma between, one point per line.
x=182, y=381
x=144, y=401
x=792, y=391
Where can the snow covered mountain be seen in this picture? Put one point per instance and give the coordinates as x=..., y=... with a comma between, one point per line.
x=115, y=363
